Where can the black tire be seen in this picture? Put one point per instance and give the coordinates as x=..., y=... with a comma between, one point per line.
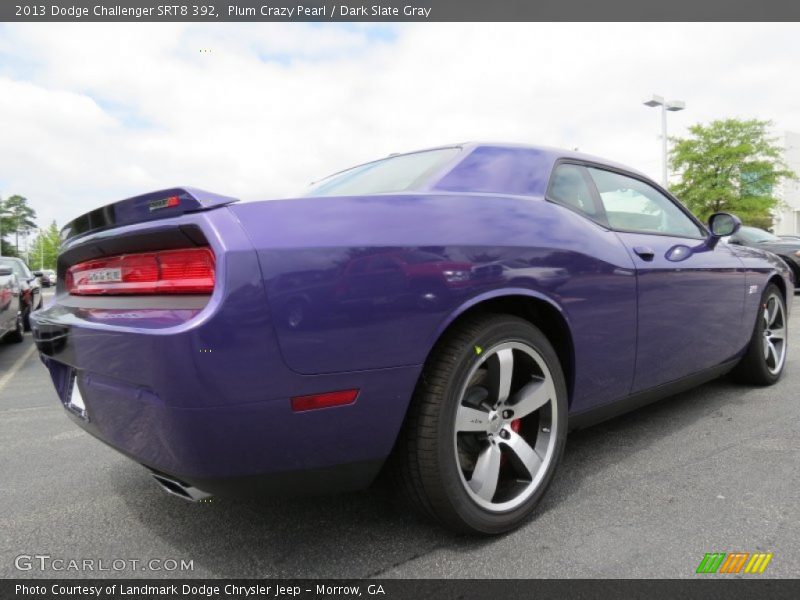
x=754, y=368
x=427, y=461
x=16, y=336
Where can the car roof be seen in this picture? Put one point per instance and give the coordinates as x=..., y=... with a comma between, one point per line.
x=553, y=153
x=550, y=152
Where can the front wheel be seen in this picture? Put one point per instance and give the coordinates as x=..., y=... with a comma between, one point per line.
x=764, y=359
x=486, y=427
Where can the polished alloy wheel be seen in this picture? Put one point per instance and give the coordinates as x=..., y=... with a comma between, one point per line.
x=486, y=427
x=774, y=332
x=506, y=426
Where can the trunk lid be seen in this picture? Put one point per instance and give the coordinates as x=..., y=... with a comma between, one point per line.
x=156, y=205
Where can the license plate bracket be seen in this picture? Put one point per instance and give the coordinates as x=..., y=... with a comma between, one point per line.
x=74, y=401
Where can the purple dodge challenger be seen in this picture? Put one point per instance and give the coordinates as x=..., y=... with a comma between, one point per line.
x=447, y=315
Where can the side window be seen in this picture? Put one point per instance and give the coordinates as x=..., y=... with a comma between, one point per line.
x=568, y=187
x=632, y=205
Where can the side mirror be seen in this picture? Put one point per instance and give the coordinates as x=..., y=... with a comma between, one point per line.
x=722, y=225
x=6, y=271
x=38, y=274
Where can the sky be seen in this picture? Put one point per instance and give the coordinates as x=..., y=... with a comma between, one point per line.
x=94, y=112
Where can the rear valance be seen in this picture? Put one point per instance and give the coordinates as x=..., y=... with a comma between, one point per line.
x=147, y=207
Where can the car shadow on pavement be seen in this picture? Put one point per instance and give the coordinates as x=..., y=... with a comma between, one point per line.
x=346, y=535
x=367, y=533
x=606, y=450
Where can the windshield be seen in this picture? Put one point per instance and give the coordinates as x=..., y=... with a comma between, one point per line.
x=754, y=235
x=394, y=174
x=20, y=270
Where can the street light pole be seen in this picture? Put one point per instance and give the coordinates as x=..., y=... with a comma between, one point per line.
x=2, y=211
x=664, y=149
x=672, y=106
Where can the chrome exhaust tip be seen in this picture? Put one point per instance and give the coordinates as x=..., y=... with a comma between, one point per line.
x=180, y=489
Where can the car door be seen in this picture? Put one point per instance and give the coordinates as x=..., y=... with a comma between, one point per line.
x=690, y=297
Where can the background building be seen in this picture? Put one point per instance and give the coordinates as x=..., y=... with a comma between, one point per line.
x=787, y=218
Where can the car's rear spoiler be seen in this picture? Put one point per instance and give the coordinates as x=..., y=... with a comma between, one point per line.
x=148, y=207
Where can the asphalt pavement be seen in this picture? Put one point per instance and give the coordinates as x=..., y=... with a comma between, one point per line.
x=716, y=469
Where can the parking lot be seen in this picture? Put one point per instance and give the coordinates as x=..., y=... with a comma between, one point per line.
x=645, y=495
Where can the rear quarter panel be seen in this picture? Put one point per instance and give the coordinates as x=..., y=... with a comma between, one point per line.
x=394, y=320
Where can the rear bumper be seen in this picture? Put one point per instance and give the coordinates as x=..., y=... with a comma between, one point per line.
x=308, y=482
x=252, y=447
x=203, y=394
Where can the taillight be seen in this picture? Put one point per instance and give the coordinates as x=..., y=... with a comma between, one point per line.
x=185, y=271
x=326, y=400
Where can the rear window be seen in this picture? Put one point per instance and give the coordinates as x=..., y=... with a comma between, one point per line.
x=492, y=169
x=394, y=174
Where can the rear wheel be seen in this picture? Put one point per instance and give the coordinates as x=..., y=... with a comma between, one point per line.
x=486, y=427
x=763, y=361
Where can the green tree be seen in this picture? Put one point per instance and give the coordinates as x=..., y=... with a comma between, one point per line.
x=16, y=218
x=44, y=249
x=730, y=165
x=6, y=249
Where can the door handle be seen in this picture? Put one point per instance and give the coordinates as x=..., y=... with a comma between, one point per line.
x=644, y=252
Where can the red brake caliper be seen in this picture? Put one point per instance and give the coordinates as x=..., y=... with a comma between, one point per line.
x=515, y=425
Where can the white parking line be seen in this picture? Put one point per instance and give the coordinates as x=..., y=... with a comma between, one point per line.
x=16, y=367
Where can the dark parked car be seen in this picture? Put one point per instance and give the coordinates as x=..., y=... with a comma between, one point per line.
x=11, y=327
x=30, y=288
x=47, y=278
x=787, y=248
x=571, y=289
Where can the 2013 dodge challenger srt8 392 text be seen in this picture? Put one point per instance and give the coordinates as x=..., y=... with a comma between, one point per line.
x=446, y=315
